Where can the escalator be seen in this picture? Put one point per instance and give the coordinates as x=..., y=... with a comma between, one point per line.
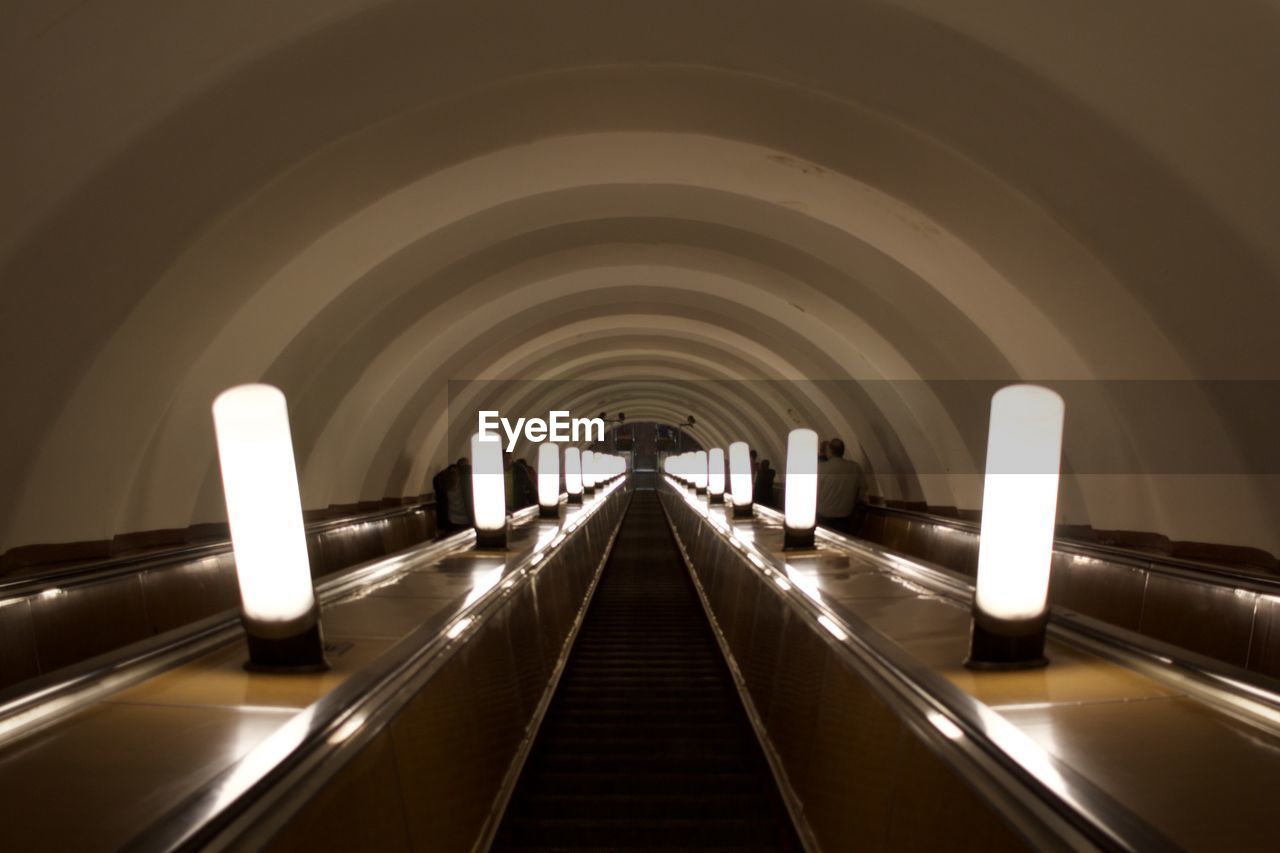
x=646, y=743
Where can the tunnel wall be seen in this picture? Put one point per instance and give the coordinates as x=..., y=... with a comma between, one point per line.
x=361, y=200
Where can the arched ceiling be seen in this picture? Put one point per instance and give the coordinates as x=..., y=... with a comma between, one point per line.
x=765, y=215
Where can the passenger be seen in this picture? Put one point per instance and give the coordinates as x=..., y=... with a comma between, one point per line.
x=509, y=482
x=762, y=489
x=457, y=517
x=440, y=487
x=464, y=484
x=526, y=480
x=755, y=466
x=840, y=488
x=822, y=451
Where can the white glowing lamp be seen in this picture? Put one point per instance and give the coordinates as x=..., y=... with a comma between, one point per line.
x=700, y=471
x=1019, y=505
x=588, y=471
x=260, y=483
x=573, y=474
x=549, y=480
x=488, y=492
x=715, y=475
x=801, y=488
x=740, y=478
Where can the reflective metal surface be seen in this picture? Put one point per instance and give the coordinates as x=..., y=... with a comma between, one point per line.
x=901, y=625
x=394, y=625
x=59, y=617
x=910, y=731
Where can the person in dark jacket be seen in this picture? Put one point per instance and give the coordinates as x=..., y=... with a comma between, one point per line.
x=464, y=483
x=762, y=490
x=440, y=486
x=526, y=484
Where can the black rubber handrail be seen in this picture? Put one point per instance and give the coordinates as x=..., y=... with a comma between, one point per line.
x=1160, y=563
x=98, y=570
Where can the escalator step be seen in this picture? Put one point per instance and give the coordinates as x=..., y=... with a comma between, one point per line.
x=646, y=744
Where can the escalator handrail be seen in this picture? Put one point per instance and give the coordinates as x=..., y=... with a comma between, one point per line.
x=986, y=737
x=344, y=720
x=80, y=574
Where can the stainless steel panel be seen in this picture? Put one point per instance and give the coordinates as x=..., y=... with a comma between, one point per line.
x=496, y=705
x=438, y=766
x=18, y=660
x=80, y=622
x=792, y=715
x=759, y=644
x=847, y=788
x=1264, y=645
x=1106, y=591
x=931, y=802
x=177, y=595
x=1212, y=620
x=555, y=611
x=532, y=658
x=358, y=809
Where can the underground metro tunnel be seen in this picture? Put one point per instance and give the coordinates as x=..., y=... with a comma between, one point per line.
x=924, y=358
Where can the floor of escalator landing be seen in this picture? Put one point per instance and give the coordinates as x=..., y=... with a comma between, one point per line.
x=646, y=744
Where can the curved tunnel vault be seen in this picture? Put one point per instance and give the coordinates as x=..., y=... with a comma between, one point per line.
x=767, y=225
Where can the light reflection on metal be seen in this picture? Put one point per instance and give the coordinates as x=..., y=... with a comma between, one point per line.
x=806, y=582
x=456, y=629
x=481, y=582
x=944, y=725
x=832, y=628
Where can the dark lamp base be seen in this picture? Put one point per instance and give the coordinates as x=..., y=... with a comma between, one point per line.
x=298, y=653
x=997, y=644
x=797, y=540
x=549, y=511
x=743, y=511
x=491, y=540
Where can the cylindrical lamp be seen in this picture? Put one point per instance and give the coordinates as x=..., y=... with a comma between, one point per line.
x=489, y=493
x=801, y=489
x=573, y=474
x=700, y=472
x=1019, y=503
x=549, y=480
x=715, y=475
x=588, y=472
x=740, y=479
x=260, y=484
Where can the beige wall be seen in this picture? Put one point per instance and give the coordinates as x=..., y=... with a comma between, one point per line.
x=358, y=201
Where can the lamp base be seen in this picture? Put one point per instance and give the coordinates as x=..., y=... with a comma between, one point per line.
x=298, y=653
x=699, y=490
x=998, y=644
x=576, y=500
x=743, y=511
x=491, y=540
x=797, y=540
x=717, y=499
x=548, y=511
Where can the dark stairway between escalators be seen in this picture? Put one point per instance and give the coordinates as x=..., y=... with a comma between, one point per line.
x=646, y=744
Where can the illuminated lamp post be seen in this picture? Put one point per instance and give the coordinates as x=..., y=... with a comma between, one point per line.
x=740, y=479
x=588, y=472
x=1019, y=503
x=549, y=480
x=489, y=493
x=260, y=483
x=801, y=508
x=715, y=475
x=573, y=474
x=700, y=472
